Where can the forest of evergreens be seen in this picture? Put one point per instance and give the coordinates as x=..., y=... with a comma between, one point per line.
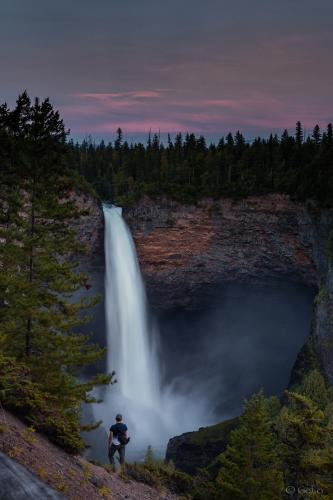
x=187, y=168
x=277, y=451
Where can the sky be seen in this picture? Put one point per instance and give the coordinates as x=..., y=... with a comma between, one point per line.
x=202, y=66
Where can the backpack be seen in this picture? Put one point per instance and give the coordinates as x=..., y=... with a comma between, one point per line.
x=122, y=438
x=121, y=435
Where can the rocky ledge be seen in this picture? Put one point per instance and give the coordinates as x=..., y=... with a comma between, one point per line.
x=193, y=450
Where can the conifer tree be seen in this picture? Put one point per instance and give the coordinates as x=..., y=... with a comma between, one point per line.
x=316, y=135
x=149, y=457
x=250, y=468
x=299, y=135
x=329, y=134
x=38, y=254
x=305, y=430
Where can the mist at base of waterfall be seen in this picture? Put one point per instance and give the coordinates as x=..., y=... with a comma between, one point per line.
x=243, y=338
x=177, y=412
x=152, y=412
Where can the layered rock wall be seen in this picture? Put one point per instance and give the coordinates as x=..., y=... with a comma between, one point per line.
x=184, y=251
x=188, y=248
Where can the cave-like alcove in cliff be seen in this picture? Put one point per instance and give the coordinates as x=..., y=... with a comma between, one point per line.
x=237, y=338
x=242, y=338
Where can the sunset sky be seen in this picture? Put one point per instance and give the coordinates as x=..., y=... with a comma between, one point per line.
x=175, y=65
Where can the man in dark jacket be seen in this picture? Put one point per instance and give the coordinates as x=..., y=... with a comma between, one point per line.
x=117, y=441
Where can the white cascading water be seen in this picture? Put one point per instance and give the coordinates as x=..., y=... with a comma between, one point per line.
x=129, y=351
x=153, y=413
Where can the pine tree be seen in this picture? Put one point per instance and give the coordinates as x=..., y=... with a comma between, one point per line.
x=249, y=468
x=119, y=140
x=306, y=433
x=149, y=457
x=40, y=313
x=299, y=135
x=329, y=134
x=316, y=135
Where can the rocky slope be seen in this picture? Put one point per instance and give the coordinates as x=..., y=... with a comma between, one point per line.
x=46, y=469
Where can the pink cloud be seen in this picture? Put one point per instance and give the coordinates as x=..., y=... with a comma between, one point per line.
x=134, y=94
x=140, y=126
x=140, y=111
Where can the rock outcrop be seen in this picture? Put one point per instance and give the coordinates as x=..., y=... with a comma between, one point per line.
x=90, y=225
x=193, y=450
x=17, y=483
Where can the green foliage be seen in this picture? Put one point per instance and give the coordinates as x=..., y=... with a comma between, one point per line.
x=250, y=467
x=149, y=457
x=322, y=295
x=218, y=432
x=271, y=449
x=187, y=169
x=160, y=476
x=39, y=309
x=306, y=433
x=307, y=360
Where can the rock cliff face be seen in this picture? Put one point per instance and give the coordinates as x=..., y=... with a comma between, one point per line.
x=185, y=251
x=193, y=450
x=89, y=226
x=189, y=249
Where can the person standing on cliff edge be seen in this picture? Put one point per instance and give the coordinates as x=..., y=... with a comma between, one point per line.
x=117, y=441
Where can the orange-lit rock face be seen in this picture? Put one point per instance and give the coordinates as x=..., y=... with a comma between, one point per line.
x=186, y=251
x=167, y=248
x=185, y=248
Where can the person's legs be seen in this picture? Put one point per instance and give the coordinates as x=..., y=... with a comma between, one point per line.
x=112, y=451
x=121, y=454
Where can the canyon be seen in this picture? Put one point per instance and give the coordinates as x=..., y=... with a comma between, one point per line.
x=185, y=252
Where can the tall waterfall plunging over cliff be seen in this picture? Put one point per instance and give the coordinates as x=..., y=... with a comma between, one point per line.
x=153, y=412
x=129, y=345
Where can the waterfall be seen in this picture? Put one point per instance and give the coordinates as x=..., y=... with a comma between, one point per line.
x=128, y=340
x=152, y=412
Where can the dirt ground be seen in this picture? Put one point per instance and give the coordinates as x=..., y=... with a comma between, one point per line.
x=73, y=476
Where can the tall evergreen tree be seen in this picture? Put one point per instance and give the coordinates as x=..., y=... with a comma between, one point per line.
x=316, y=135
x=38, y=253
x=305, y=430
x=299, y=134
x=250, y=468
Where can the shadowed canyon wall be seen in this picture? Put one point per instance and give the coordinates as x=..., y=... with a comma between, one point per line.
x=185, y=251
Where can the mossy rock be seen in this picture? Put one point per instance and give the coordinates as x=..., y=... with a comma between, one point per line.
x=195, y=450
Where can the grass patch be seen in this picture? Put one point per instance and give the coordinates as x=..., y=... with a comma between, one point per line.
x=218, y=432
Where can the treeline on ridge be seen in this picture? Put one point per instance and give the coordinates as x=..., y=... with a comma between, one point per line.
x=187, y=169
